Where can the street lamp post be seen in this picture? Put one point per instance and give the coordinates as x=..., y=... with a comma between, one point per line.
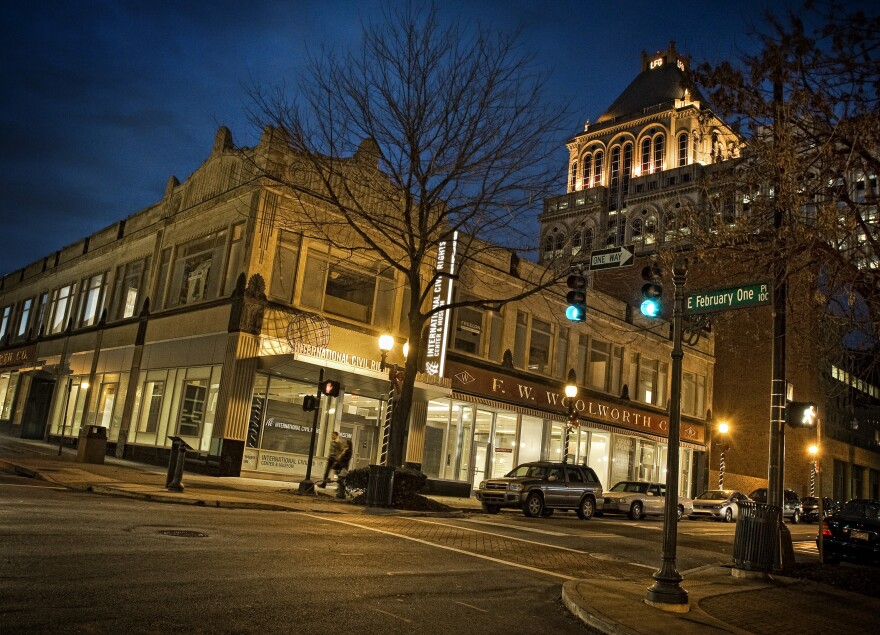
x=666, y=592
x=571, y=391
x=813, y=450
x=723, y=429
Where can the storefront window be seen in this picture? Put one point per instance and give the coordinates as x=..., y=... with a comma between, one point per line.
x=106, y=401
x=287, y=427
x=436, y=457
x=530, y=436
x=600, y=448
x=192, y=409
x=622, y=459
x=482, y=433
x=504, y=445
x=554, y=445
x=647, y=468
x=8, y=384
x=465, y=432
x=359, y=423
x=153, y=392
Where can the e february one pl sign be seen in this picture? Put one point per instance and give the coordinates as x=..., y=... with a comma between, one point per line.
x=733, y=298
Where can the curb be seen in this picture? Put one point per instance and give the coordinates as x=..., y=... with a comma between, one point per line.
x=601, y=624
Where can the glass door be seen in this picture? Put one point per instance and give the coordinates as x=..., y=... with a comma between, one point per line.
x=481, y=451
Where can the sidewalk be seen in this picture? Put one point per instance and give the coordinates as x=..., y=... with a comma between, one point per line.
x=717, y=601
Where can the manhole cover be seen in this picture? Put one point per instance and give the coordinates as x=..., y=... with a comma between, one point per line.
x=180, y=533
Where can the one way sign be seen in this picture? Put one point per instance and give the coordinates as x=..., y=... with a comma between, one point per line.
x=611, y=258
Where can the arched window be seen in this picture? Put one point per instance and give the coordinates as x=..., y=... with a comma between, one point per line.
x=597, y=168
x=614, y=176
x=586, y=167
x=646, y=156
x=559, y=243
x=588, y=240
x=575, y=243
x=636, y=231
x=659, y=149
x=573, y=176
x=649, y=233
x=548, y=246
x=682, y=149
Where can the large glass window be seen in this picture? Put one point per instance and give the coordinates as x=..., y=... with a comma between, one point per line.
x=152, y=408
x=693, y=394
x=600, y=450
x=106, y=402
x=504, y=446
x=530, y=438
x=196, y=273
x=5, y=319
x=350, y=292
x=59, y=307
x=539, y=346
x=192, y=407
x=284, y=266
x=92, y=295
x=604, y=366
x=129, y=288
x=468, y=330
x=622, y=459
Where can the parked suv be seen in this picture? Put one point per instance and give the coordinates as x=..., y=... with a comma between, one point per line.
x=541, y=487
x=791, y=507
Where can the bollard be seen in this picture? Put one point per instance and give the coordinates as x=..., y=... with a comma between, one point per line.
x=175, y=464
x=340, y=486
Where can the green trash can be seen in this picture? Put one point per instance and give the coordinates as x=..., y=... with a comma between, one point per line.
x=755, y=543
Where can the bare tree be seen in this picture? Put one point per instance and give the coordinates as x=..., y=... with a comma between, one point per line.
x=807, y=105
x=428, y=130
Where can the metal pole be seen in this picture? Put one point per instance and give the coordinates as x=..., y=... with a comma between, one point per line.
x=389, y=414
x=813, y=478
x=666, y=592
x=64, y=414
x=306, y=486
x=721, y=470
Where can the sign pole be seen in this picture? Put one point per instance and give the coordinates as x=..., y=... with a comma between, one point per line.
x=307, y=486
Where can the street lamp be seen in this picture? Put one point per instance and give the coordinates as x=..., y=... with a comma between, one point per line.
x=571, y=391
x=666, y=592
x=813, y=450
x=386, y=343
x=723, y=429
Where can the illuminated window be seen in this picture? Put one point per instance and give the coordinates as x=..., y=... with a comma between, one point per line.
x=25, y=316
x=92, y=299
x=586, y=167
x=682, y=149
x=597, y=168
x=659, y=149
x=572, y=179
x=646, y=156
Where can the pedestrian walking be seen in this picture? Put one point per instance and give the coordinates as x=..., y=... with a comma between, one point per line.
x=342, y=468
x=332, y=457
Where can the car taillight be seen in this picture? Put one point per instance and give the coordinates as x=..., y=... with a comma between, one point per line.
x=826, y=530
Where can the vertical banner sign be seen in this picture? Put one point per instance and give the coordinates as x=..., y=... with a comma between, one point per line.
x=438, y=330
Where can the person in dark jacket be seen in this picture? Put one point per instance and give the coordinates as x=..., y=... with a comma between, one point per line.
x=341, y=468
x=335, y=450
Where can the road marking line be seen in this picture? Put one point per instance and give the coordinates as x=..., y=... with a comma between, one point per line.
x=28, y=485
x=432, y=544
x=408, y=621
x=492, y=533
x=646, y=566
x=536, y=531
x=471, y=606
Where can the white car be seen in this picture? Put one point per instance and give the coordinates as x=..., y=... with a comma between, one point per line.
x=638, y=499
x=718, y=504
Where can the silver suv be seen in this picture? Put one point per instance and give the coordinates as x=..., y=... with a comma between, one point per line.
x=791, y=505
x=539, y=488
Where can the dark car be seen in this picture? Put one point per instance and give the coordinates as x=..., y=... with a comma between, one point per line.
x=539, y=488
x=852, y=533
x=810, y=508
x=791, y=508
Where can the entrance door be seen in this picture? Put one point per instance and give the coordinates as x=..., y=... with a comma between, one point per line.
x=481, y=458
x=363, y=443
x=36, y=410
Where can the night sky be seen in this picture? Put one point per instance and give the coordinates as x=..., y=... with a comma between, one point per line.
x=104, y=101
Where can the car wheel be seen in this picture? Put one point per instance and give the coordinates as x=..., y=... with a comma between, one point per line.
x=547, y=513
x=534, y=505
x=635, y=512
x=795, y=517
x=587, y=508
x=679, y=512
x=491, y=509
x=728, y=515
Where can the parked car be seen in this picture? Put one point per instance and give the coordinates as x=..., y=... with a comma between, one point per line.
x=852, y=533
x=638, y=499
x=791, y=508
x=810, y=508
x=718, y=504
x=541, y=487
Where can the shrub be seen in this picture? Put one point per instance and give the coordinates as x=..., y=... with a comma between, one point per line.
x=407, y=482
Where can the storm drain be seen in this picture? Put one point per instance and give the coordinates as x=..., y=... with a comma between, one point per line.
x=182, y=533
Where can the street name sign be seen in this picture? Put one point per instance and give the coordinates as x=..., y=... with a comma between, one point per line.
x=611, y=258
x=732, y=298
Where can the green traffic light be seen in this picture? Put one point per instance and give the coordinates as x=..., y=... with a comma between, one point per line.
x=576, y=313
x=650, y=307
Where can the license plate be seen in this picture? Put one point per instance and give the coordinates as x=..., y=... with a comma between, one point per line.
x=855, y=534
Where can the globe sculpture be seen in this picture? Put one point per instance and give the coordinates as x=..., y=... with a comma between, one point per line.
x=310, y=329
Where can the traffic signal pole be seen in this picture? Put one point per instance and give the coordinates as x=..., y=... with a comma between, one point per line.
x=307, y=486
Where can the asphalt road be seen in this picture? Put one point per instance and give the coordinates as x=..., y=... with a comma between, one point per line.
x=78, y=562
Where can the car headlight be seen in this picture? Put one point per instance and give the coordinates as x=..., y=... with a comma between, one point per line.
x=515, y=487
x=482, y=484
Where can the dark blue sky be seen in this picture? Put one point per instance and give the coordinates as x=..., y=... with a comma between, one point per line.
x=105, y=100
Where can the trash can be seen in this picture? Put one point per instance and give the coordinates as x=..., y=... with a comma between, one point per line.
x=755, y=541
x=92, y=445
x=380, y=486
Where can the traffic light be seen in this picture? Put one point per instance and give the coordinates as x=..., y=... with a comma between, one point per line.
x=652, y=292
x=310, y=403
x=800, y=414
x=576, y=297
x=329, y=388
